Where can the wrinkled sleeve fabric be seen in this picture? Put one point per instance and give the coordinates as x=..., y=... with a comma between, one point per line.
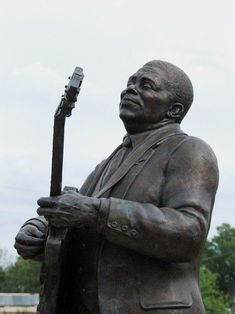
x=176, y=230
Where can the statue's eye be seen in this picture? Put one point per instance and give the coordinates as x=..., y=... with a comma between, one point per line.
x=147, y=85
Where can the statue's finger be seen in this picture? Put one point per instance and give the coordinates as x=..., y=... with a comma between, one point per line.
x=46, y=211
x=26, y=239
x=32, y=231
x=27, y=250
x=47, y=201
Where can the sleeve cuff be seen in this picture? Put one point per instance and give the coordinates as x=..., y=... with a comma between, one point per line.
x=103, y=214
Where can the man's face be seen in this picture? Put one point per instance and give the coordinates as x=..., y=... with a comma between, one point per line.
x=145, y=101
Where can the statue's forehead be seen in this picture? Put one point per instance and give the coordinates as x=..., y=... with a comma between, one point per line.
x=153, y=70
x=154, y=73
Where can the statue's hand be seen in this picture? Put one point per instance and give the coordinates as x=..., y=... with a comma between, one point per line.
x=70, y=209
x=30, y=240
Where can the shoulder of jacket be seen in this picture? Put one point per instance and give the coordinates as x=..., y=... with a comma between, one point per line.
x=193, y=142
x=192, y=147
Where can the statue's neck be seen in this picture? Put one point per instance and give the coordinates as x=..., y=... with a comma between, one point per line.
x=136, y=129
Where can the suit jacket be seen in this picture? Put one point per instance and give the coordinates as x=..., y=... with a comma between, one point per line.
x=152, y=224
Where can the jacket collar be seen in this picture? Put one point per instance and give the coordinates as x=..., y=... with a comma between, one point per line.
x=137, y=139
x=153, y=140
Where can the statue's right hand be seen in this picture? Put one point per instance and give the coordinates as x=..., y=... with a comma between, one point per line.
x=30, y=240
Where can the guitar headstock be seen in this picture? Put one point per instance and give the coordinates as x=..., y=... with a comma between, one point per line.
x=72, y=90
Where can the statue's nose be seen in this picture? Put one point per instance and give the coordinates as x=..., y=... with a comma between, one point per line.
x=129, y=90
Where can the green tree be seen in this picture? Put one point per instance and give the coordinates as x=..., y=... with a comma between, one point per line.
x=2, y=278
x=214, y=301
x=21, y=276
x=5, y=258
x=219, y=257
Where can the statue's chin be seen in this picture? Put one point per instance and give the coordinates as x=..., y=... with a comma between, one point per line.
x=132, y=126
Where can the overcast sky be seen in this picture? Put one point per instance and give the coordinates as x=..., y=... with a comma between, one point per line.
x=42, y=42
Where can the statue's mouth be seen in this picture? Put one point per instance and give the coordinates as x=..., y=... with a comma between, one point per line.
x=129, y=100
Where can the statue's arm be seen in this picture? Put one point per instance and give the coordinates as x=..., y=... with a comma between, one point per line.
x=177, y=229
x=30, y=240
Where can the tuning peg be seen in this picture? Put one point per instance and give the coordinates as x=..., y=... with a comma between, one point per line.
x=69, y=77
x=65, y=86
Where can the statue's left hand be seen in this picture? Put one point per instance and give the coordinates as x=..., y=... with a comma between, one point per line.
x=70, y=209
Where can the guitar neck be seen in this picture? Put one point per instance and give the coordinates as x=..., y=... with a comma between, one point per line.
x=64, y=110
x=54, y=252
x=57, y=156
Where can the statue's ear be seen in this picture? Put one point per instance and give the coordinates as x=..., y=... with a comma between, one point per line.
x=175, y=111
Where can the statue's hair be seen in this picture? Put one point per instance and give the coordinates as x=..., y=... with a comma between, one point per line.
x=178, y=84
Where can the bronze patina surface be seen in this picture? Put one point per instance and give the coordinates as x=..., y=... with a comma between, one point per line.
x=137, y=226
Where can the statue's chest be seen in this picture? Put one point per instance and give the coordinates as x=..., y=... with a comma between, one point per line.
x=144, y=180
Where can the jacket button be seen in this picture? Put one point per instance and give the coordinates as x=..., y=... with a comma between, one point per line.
x=124, y=228
x=134, y=233
x=114, y=224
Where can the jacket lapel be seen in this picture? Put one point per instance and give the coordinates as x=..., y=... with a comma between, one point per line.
x=100, y=171
x=152, y=141
x=134, y=172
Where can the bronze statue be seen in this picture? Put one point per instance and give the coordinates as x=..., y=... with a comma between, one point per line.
x=138, y=224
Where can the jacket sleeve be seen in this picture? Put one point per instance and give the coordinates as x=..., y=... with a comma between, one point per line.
x=176, y=230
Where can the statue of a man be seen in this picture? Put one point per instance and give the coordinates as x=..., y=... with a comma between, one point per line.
x=138, y=224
